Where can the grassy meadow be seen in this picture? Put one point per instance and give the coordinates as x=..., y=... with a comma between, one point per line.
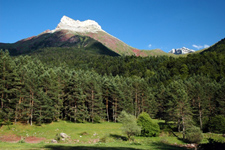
x=106, y=135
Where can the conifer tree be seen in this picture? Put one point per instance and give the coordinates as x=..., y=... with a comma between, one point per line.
x=9, y=87
x=179, y=106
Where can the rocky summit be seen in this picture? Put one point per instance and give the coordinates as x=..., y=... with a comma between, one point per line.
x=67, y=23
x=182, y=50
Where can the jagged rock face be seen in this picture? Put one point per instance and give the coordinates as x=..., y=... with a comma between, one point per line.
x=67, y=23
x=182, y=50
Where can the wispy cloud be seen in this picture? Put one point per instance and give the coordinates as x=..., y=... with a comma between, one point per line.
x=206, y=46
x=197, y=46
x=200, y=46
x=149, y=45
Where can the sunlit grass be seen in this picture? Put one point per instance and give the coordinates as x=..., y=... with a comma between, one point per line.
x=105, y=135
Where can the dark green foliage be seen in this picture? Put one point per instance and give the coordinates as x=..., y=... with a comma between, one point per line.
x=194, y=134
x=78, y=84
x=212, y=145
x=8, y=123
x=148, y=127
x=219, y=47
x=217, y=124
x=1, y=122
x=96, y=119
x=57, y=137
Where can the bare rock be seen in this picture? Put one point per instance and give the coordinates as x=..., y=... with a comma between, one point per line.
x=64, y=135
x=78, y=26
x=54, y=141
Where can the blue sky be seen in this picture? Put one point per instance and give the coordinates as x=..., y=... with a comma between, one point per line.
x=143, y=24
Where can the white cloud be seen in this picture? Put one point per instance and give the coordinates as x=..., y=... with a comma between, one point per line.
x=206, y=46
x=200, y=46
x=150, y=45
x=197, y=46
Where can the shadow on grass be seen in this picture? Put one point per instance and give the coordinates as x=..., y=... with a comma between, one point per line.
x=116, y=136
x=65, y=147
x=163, y=146
x=153, y=146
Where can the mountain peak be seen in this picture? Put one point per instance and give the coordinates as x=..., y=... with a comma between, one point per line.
x=78, y=26
x=182, y=50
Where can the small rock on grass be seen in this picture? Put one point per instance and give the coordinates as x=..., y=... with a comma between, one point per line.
x=54, y=141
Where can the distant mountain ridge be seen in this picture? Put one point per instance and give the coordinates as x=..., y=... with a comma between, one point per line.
x=182, y=50
x=67, y=33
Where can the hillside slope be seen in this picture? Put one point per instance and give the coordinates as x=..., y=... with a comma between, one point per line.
x=62, y=38
x=218, y=47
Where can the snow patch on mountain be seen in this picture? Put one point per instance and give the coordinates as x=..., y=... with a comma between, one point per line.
x=182, y=50
x=67, y=23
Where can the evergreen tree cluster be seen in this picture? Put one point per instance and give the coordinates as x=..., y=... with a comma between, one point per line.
x=34, y=92
x=57, y=83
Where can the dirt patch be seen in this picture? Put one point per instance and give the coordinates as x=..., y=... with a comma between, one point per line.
x=33, y=139
x=93, y=141
x=14, y=139
x=10, y=138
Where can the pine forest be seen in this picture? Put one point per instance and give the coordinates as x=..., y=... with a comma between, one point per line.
x=67, y=84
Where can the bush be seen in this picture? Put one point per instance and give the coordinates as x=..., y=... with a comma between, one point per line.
x=21, y=141
x=57, y=137
x=217, y=124
x=194, y=134
x=148, y=126
x=97, y=119
x=130, y=126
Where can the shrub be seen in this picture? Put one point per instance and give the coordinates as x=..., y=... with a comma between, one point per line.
x=21, y=141
x=194, y=134
x=57, y=137
x=8, y=123
x=96, y=119
x=148, y=126
x=130, y=126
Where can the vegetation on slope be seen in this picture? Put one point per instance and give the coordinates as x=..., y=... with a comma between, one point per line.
x=56, y=84
x=58, y=39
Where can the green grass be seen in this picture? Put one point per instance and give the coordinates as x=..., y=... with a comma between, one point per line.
x=109, y=134
x=101, y=146
x=74, y=130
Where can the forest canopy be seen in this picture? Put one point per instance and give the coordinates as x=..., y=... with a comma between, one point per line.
x=70, y=84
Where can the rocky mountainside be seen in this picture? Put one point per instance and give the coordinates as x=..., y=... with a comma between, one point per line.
x=67, y=23
x=182, y=50
x=70, y=33
x=62, y=38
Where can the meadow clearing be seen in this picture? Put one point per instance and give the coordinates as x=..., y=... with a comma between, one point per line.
x=105, y=135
